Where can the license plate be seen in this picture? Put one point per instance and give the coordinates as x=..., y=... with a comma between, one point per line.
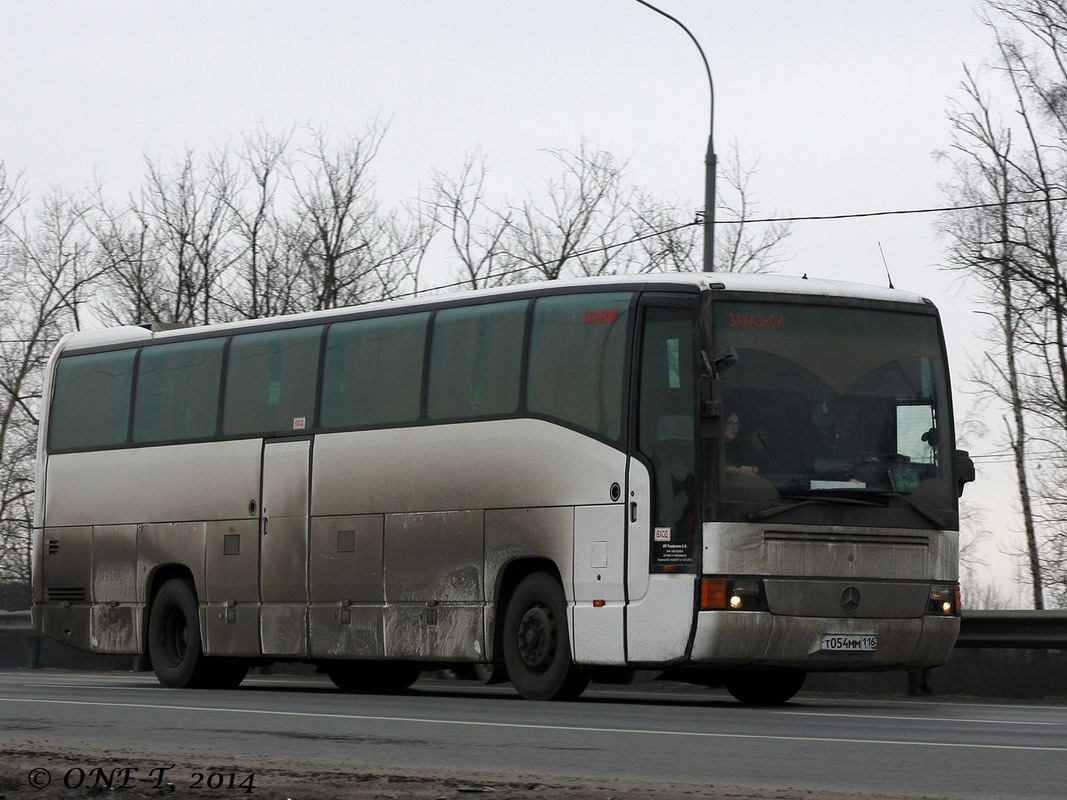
x=849, y=642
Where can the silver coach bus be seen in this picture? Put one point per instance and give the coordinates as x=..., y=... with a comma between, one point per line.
x=734, y=479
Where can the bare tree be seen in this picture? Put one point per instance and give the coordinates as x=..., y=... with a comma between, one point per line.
x=49, y=259
x=267, y=228
x=136, y=288
x=170, y=249
x=740, y=248
x=191, y=216
x=590, y=219
x=12, y=196
x=352, y=252
x=13, y=557
x=667, y=237
x=579, y=222
x=476, y=231
x=266, y=270
x=1012, y=245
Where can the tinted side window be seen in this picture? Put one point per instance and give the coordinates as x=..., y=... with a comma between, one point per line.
x=271, y=381
x=372, y=374
x=178, y=391
x=476, y=360
x=577, y=358
x=91, y=400
x=666, y=425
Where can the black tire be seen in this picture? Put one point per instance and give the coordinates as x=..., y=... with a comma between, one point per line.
x=764, y=687
x=175, y=644
x=372, y=677
x=537, y=650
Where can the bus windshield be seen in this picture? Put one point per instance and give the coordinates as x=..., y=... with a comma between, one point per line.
x=834, y=415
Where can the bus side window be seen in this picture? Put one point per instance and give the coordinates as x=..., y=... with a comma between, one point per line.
x=372, y=372
x=476, y=360
x=667, y=415
x=178, y=391
x=577, y=358
x=271, y=380
x=91, y=400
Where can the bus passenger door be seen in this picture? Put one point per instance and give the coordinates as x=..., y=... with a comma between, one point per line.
x=283, y=532
x=663, y=545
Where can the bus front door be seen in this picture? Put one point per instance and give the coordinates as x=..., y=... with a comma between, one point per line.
x=664, y=548
x=283, y=564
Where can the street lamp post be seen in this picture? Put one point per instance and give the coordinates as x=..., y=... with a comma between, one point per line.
x=709, y=156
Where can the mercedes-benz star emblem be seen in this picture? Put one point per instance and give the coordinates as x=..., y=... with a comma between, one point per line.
x=850, y=599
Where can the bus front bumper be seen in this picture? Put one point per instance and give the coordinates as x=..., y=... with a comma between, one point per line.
x=761, y=638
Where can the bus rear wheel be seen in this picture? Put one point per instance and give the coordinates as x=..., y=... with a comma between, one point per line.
x=765, y=687
x=537, y=650
x=175, y=643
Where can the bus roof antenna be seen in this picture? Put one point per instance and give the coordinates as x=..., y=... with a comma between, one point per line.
x=886, y=265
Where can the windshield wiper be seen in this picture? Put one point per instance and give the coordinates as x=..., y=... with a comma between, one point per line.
x=806, y=501
x=919, y=508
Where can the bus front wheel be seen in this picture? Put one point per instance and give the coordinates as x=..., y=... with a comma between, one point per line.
x=175, y=644
x=765, y=687
x=537, y=650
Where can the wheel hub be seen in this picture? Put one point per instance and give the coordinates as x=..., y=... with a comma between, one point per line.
x=537, y=638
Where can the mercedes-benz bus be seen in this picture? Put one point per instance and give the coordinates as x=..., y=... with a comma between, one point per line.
x=733, y=479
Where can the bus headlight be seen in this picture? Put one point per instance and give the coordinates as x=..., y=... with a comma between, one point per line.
x=737, y=594
x=944, y=600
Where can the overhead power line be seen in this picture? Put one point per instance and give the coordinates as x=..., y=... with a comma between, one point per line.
x=762, y=220
x=577, y=254
x=895, y=212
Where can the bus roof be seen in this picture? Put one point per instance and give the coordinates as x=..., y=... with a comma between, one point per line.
x=770, y=284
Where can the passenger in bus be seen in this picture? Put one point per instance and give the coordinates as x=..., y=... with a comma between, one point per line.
x=745, y=490
x=734, y=451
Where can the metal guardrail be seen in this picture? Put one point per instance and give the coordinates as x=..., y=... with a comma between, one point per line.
x=1037, y=630
x=15, y=622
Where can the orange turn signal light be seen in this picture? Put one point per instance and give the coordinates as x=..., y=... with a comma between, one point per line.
x=713, y=593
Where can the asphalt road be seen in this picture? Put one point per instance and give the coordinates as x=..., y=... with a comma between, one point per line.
x=926, y=748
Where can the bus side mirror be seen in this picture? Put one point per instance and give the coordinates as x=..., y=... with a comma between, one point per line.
x=964, y=471
x=709, y=390
x=722, y=361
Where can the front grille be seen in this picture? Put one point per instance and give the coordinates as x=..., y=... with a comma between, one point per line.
x=847, y=598
x=66, y=595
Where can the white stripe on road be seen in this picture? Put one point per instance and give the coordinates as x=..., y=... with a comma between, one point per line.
x=910, y=719
x=531, y=726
